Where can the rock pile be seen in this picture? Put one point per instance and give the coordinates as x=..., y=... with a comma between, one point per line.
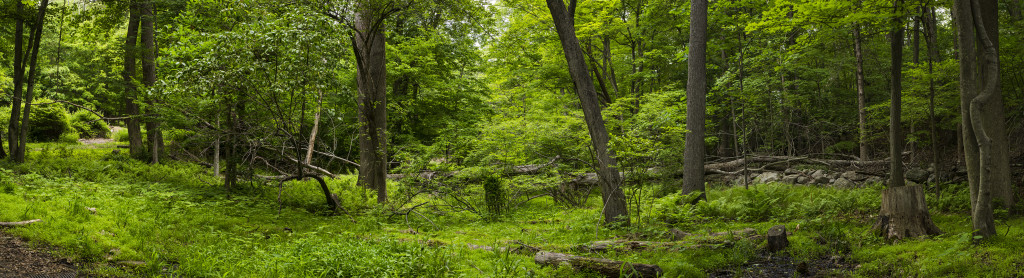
x=846, y=179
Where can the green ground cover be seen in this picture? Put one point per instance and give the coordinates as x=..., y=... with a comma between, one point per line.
x=179, y=220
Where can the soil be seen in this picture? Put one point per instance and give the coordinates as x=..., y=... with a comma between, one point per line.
x=781, y=265
x=20, y=259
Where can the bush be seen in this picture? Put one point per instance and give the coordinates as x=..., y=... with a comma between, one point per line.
x=48, y=122
x=88, y=125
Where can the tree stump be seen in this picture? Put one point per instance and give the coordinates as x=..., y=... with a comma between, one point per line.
x=605, y=267
x=777, y=238
x=904, y=214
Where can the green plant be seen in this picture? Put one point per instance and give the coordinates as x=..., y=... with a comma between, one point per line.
x=89, y=125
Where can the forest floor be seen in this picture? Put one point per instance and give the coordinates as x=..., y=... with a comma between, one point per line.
x=21, y=259
x=111, y=216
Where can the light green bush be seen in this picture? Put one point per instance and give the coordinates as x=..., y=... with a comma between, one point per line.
x=88, y=125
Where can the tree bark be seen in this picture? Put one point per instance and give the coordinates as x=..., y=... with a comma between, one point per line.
x=614, y=210
x=371, y=74
x=131, y=109
x=861, y=99
x=904, y=214
x=316, y=127
x=154, y=134
x=696, y=90
x=33, y=60
x=19, y=72
x=984, y=131
x=896, y=104
x=933, y=54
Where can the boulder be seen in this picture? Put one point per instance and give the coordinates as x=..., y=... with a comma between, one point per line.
x=844, y=183
x=853, y=176
x=792, y=171
x=819, y=177
x=874, y=180
x=767, y=177
x=917, y=175
x=803, y=180
x=791, y=179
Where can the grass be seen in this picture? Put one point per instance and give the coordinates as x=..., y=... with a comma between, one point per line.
x=178, y=219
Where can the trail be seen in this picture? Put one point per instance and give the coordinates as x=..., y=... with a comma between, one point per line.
x=19, y=259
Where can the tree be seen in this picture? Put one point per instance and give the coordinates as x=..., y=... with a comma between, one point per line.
x=904, y=212
x=149, y=52
x=981, y=108
x=862, y=127
x=131, y=108
x=609, y=178
x=371, y=78
x=33, y=59
x=696, y=90
x=19, y=72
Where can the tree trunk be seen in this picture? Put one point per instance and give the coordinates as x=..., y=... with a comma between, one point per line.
x=614, y=210
x=371, y=74
x=316, y=127
x=18, y=76
x=896, y=103
x=984, y=130
x=861, y=99
x=696, y=90
x=904, y=214
x=933, y=54
x=149, y=78
x=131, y=109
x=33, y=60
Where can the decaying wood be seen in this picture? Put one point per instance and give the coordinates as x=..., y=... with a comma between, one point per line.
x=904, y=214
x=605, y=267
x=777, y=238
x=20, y=223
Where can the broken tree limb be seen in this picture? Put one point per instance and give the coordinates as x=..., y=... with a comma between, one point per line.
x=605, y=267
x=20, y=223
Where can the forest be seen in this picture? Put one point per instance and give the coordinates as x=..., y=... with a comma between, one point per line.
x=511, y=138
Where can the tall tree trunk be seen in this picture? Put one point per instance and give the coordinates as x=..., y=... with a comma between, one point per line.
x=933, y=54
x=19, y=72
x=984, y=130
x=696, y=90
x=371, y=77
x=149, y=51
x=33, y=60
x=131, y=109
x=861, y=99
x=614, y=210
x=904, y=212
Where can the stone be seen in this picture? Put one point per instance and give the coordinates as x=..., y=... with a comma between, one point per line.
x=873, y=180
x=853, y=176
x=818, y=174
x=791, y=179
x=791, y=171
x=803, y=180
x=917, y=175
x=844, y=183
x=767, y=177
x=777, y=238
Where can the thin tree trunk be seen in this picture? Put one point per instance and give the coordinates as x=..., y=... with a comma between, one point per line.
x=18, y=76
x=149, y=78
x=33, y=60
x=861, y=99
x=614, y=210
x=131, y=109
x=371, y=76
x=933, y=53
x=316, y=127
x=696, y=90
x=896, y=104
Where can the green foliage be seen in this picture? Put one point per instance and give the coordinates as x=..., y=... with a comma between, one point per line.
x=88, y=125
x=48, y=122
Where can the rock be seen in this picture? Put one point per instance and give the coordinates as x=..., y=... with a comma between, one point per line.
x=873, y=180
x=844, y=183
x=791, y=179
x=803, y=180
x=853, y=176
x=791, y=171
x=767, y=177
x=917, y=175
x=777, y=238
x=818, y=174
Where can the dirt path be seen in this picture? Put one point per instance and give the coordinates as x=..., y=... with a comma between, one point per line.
x=19, y=259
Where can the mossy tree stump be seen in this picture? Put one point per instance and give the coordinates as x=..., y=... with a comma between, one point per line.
x=904, y=214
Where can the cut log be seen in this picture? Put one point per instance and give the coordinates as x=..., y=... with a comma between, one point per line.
x=777, y=238
x=21, y=223
x=605, y=267
x=904, y=214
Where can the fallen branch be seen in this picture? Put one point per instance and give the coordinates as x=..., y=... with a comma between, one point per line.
x=606, y=267
x=21, y=223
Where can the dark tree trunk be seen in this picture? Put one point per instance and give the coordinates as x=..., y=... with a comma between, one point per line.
x=19, y=72
x=155, y=136
x=33, y=60
x=696, y=90
x=131, y=109
x=615, y=210
x=984, y=130
x=933, y=54
x=861, y=99
x=904, y=212
x=371, y=77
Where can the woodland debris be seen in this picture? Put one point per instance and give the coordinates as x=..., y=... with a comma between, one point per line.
x=605, y=267
x=777, y=238
x=20, y=223
x=679, y=235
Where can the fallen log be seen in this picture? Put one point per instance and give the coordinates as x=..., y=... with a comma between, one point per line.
x=529, y=169
x=605, y=267
x=20, y=223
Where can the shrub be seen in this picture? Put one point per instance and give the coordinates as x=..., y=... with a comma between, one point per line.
x=88, y=125
x=48, y=121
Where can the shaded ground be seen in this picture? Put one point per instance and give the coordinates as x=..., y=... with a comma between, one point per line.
x=784, y=266
x=19, y=259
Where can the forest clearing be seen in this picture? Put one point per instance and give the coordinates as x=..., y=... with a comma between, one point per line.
x=511, y=138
